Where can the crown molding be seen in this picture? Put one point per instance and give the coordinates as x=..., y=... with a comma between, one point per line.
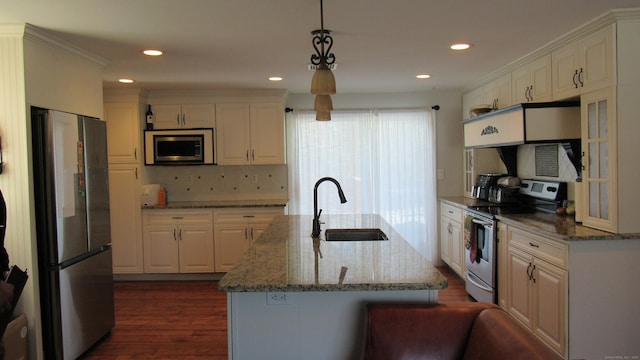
x=39, y=35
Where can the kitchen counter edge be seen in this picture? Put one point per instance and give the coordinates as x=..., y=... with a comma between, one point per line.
x=562, y=228
x=221, y=204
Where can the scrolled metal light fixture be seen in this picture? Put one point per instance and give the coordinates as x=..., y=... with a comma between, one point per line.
x=323, y=82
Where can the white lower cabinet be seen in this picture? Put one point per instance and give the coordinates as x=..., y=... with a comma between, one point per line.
x=178, y=241
x=451, y=237
x=536, y=285
x=126, y=232
x=236, y=230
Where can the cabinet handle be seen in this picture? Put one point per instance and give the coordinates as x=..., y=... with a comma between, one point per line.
x=251, y=233
x=174, y=235
x=532, y=277
x=529, y=274
x=180, y=234
x=450, y=212
x=184, y=119
x=253, y=155
x=178, y=119
x=136, y=173
x=248, y=216
x=575, y=79
x=246, y=234
x=580, y=77
x=135, y=154
x=534, y=245
x=247, y=155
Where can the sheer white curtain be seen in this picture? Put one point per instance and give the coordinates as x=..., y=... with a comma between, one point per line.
x=384, y=161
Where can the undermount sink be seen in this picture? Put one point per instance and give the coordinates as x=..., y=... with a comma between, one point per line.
x=355, y=235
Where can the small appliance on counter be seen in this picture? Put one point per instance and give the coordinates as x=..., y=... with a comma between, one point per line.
x=150, y=195
x=484, y=182
x=506, y=190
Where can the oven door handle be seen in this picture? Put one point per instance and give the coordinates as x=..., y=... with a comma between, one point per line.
x=470, y=279
x=480, y=222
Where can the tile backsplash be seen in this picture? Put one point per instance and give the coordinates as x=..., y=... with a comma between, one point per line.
x=208, y=183
x=527, y=164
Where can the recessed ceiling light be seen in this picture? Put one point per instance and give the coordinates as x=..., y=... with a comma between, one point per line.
x=275, y=78
x=423, y=76
x=460, y=46
x=152, y=52
x=126, y=81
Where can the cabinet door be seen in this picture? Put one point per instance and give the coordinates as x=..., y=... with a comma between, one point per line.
x=233, y=134
x=457, y=250
x=196, y=249
x=520, y=293
x=198, y=115
x=161, y=249
x=231, y=241
x=257, y=228
x=540, y=73
x=123, y=132
x=167, y=116
x=597, y=55
x=520, y=85
x=498, y=92
x=267, y=134
x=565, y=65
x=502, y=266
x=600, y=170
x=445, y=240
x=532, y=82
x=126, y=219
x=550, y=299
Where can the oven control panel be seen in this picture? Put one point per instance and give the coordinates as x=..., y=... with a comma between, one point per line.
x=546, y=190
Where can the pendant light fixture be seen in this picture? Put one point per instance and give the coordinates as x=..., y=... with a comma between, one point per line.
x=323, y=83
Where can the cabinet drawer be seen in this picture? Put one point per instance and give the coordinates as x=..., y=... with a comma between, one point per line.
x=550, y=250
x=235, y=215
x=160, y=217
x=451, y=212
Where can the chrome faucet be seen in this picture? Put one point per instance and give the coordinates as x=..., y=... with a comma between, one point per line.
x=316, y=213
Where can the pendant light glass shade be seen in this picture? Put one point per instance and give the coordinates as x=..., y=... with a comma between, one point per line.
x=323, y=103
x=323, y=115
x=323, y=82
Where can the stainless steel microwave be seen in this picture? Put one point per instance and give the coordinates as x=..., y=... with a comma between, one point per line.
x=179, y=147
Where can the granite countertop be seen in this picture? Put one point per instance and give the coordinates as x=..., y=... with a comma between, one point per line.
x=286, y=258
x=562, y=228
x=221, y=204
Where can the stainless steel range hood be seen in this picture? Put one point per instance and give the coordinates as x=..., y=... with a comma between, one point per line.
x=524, y=124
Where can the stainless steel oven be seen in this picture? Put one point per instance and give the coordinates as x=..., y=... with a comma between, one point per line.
x=480, y=256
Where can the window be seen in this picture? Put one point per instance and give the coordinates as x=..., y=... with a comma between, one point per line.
x=384, y=161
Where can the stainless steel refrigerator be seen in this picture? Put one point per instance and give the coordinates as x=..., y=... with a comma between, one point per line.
x=71, y=185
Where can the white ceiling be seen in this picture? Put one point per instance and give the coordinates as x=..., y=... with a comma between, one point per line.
x=380, y=45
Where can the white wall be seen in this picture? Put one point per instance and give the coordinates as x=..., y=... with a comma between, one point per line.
x=33, y=68
x=449, y=136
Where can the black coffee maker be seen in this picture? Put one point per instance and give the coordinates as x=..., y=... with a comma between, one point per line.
x=484, y=182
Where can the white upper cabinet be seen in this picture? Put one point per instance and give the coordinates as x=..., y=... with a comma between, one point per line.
x=176, y=116
x=250, y=134
x=584, y=65
x=532, y=82
x=123, y=131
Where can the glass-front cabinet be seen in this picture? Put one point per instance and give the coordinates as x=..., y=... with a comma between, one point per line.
x=599, y=169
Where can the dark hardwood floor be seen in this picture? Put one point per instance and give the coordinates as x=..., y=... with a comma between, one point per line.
x=186, y=320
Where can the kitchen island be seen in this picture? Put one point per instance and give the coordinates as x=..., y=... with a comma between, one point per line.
x=292, y=296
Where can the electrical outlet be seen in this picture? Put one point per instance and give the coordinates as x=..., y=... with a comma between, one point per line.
x=278, y=298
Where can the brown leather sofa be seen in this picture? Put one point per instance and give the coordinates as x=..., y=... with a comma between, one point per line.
x=468, y=331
